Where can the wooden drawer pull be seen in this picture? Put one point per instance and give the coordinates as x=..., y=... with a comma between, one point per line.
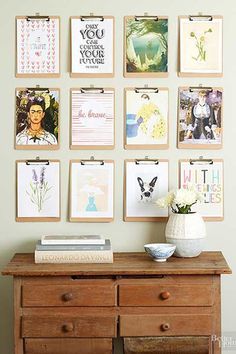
x=68, y=327
x=165, y=326
x=67, y=297
x=165, y=295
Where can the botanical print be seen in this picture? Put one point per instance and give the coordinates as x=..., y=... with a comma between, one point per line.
x=37, y=118
x=144, y=185
x=38, y=46
x=146, y=118
x=201, y=46
x=207, y=179
x=200, y=117
x=92, y=119
x=92, y=46
x=38, y=190
x=91, y=190
x=146, y=45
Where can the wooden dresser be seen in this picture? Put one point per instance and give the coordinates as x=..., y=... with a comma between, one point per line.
x=171, y=307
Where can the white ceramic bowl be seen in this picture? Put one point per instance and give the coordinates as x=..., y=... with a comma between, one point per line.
x=160, y=251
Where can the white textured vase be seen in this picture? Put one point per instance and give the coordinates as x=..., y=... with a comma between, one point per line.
x=187, y=232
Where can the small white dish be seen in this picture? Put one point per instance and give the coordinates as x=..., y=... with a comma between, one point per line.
x=160, y=252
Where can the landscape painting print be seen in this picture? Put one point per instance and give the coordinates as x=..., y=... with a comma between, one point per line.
x=92, y=123
x=38, y=191
x=200, y=123
x=201, y=46
x=146, y=47
x=92, y=46
x=146, y=119
x=91, y=192
x=145, y=183
x=206, y=179
x=38, y=46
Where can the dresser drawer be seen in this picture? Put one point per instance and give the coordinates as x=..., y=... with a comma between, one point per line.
x=68, y=326
x=34, y=295
x=165, y=325
x=165, y=295
x=68, y=346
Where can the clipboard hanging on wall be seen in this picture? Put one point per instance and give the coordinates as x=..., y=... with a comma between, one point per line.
x=200, y=117
x=37, y=115
x=146, y=118
x=201, y=45
x=92, y=46
x=38, y=190
x=206, y=176
x=145, y=181
x=93, y=118
x=146, y=46
x=37, y=46
x=91, y=190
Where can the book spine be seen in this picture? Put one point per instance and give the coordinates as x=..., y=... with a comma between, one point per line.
x=72, y=242
x=73, y=257
x=71, y=248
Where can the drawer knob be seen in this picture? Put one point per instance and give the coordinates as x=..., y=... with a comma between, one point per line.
x=165, y=326
x=165, y=295
x=67, y=297
x=68, y=327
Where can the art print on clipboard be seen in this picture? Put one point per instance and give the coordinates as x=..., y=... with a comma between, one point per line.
x=38, y=46
x=92, y=46
x=207, y=179
x=145, y=182
x=200, y=122
x=37, y=119
x=91, y=191
x=146, y=46
x=146, y=119
x=38, y=191
x=92, y=121
x=201, y=49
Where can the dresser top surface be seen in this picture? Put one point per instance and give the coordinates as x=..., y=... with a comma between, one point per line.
x=125, y=263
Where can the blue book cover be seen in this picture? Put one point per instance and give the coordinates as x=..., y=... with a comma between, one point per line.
x=65, y=247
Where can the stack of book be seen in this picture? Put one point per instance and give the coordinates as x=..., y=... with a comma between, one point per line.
x=73, y=249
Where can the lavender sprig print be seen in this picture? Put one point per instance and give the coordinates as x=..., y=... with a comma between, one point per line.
x=200, y=43
x=39, y=189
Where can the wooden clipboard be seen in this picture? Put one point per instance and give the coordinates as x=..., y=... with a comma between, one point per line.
x=141, y=218
x=95, y=219
x=142, y=74
x=37, y=219
x=204, y=162
x=144, y=146
x=91, y=146
x=81, y=74
x=205, y=146
x=191, y=74
x=41, y=75
x=37, y=147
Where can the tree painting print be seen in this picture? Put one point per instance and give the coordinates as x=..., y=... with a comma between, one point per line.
x=201, y=46
x=37, y=116
x=38, y=191
x=146, y=119
x=91, y=191
x=146, y=46
x=200, y=118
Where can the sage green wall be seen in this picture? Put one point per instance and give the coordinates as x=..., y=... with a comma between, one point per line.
x=21, y=237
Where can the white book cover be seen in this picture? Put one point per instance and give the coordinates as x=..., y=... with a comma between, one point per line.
x=72, y=240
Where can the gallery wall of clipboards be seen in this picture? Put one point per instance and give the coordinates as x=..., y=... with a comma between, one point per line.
x=199, y=122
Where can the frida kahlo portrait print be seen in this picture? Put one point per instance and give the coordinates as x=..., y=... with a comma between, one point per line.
x=37, y=116
x=146, y=47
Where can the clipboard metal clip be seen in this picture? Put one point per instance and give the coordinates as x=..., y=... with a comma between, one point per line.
x=91, y=17
x=37, y=161
x=200, y=17
x=92, y=161
x=146, y=89
x=91, y=90
x=200, y=88
x=146, y=17
x=37, y=89
x=37, y=17
x=201, y=161
x=146, y=161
